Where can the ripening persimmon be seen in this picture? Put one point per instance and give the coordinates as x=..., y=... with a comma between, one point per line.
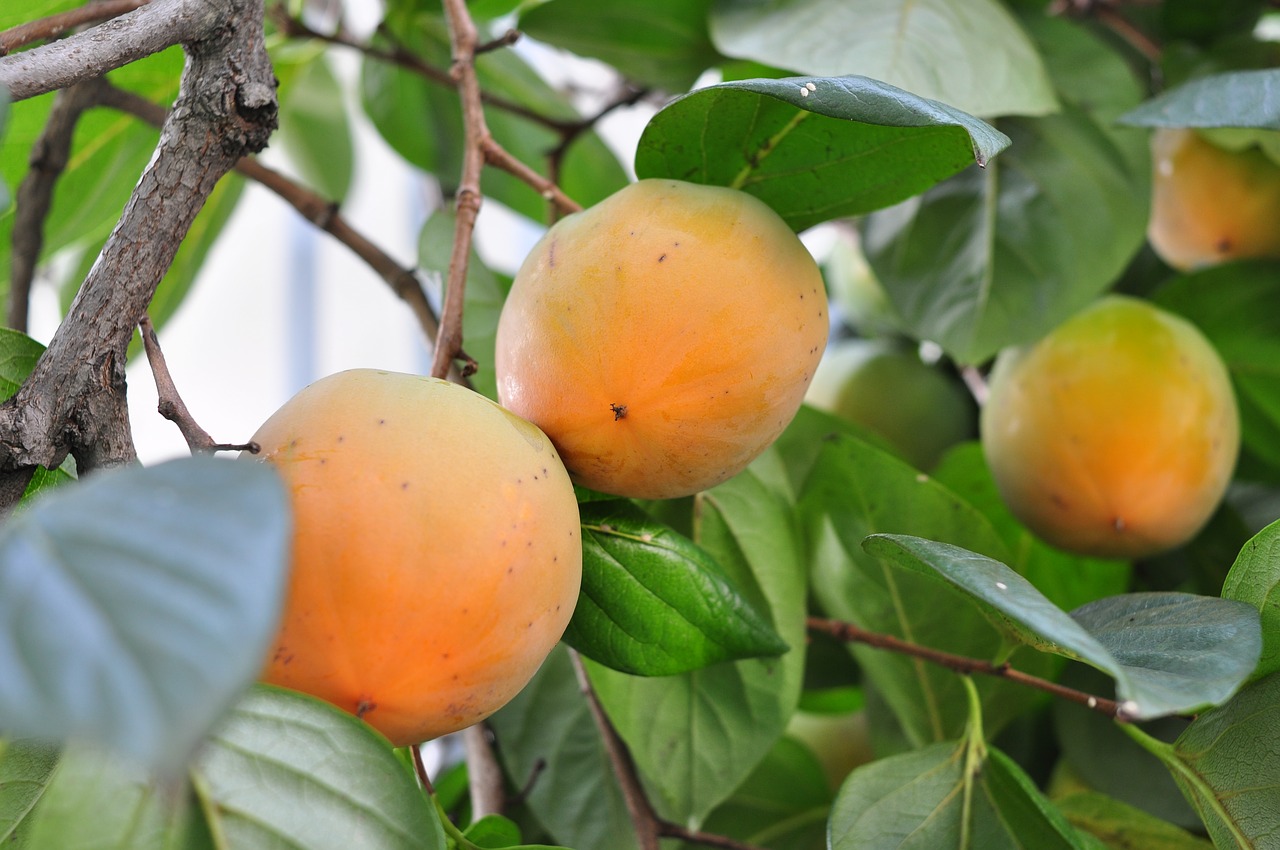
x=436, y=553
x=662, y=338
x=1210, y=204
x=1115, y=435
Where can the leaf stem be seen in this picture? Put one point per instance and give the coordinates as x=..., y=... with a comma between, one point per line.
x=975, y=753
x=1203, y=795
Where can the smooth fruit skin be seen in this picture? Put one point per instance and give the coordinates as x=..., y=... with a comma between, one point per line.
x=662, y=338
x=436, y=551
x=1210, y=204
x=886, y=388
x=1116, y=435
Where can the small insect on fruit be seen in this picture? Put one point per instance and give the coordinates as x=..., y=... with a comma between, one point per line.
x=436, y=552
x=662, y=338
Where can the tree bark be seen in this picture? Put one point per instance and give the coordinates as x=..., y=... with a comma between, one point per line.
x=74, y=400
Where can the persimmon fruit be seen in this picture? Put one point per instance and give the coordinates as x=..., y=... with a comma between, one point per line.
x=1115, y=435
x=662, y=338
x=884, y=386
x=436, y=550
x=1210, y=204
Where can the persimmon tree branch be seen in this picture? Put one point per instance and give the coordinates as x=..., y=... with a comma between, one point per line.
x=118, y=42
x=962, y=664
x=74, y=400
x=55, y=25
x=34, y=197
x=170, y=403
x=316, y=209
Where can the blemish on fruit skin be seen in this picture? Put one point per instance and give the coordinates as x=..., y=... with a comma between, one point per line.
x=662, y=257
x=619, y=411
x=364, y=706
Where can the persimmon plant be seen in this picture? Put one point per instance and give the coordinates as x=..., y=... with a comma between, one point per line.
x=602, y=579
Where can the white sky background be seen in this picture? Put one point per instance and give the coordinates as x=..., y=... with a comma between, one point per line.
x=238, y=347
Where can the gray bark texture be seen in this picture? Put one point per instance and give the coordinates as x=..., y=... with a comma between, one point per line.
x=74, y=402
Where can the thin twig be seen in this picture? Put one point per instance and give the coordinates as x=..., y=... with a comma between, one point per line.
x=963, y=664
x=316, y=209
x=55, y=25
x=34, y=198
x=172, y=407
x=420, y=770
x=464, y=38
x=498, y=156
x=706, y=839
x=647, y=826
x=1107, y=13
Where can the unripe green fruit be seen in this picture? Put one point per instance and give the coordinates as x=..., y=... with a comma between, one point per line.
x=886, y=388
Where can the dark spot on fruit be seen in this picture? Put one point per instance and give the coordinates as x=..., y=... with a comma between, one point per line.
x=382, y=422
x=663, y=257
x=1223, y=246
x=364, y=707
x=619, y=411
x=404, y=485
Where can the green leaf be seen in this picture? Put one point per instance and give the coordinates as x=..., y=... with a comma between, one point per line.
x=493, y=831
x=284, y=766
x=1227, y=765
x=1000, y=257
x=969, y=53
x=108, y=155
x=1232, y=99
x=814, y=148
x=485, y=294
x=280, y=770
x=25, y=768
x=856, y=490
x=695, y=737
x=660, y=42
x=1255, y=579
x=655, y=604
x=1068, y=581
x=782, y=805
x=1124, y=827
x=139, y=603
x=314, y=128
x=547, y=730
x=1168, y=652
x=945, y=796
x=1237, y=306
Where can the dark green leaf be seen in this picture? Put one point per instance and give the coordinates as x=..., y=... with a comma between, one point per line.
x=1069, y=581
x=1124, y=827
x=855, y=490
x=139, y=603
x=655, y=604
x=485, y=294
x=660, y=42
x=314, y=128
x=695, y=737
x=1000, y=257
x=1168, y=652
x=1233, y=99
x=946, y=795
x=969, y=53
x=1237, y=306
x=1228, y=766
x=547, y=731
x=25, y=768
x=814, y=148
x=1255, y=579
